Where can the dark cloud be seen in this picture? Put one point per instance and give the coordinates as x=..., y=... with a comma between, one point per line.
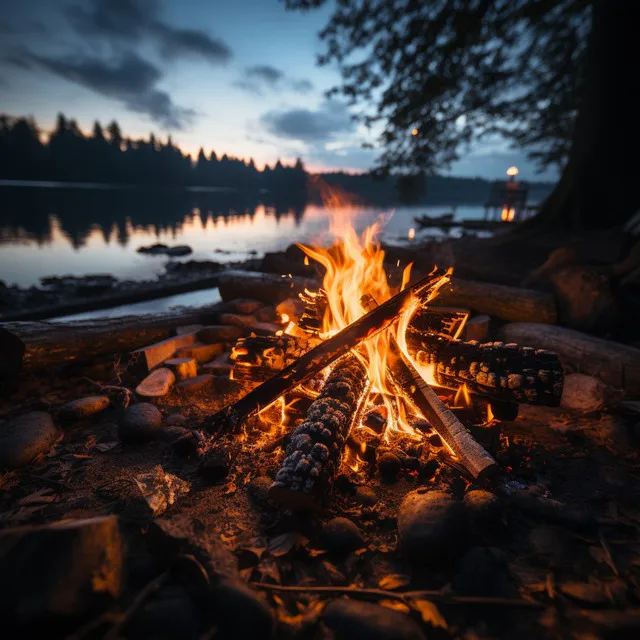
x=265, y=73
x=133, y=20
x=261, y=77
x=302, y=86
x=306, y=125
x=129, y=79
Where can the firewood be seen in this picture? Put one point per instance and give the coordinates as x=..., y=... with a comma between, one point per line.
x=321, y=356
x=477, y=328
x=265, y=287
x=615, y=364
x=507, y=303
x=504, y=372
x=315, y=449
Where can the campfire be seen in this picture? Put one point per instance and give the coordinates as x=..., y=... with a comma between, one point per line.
x=367, y=365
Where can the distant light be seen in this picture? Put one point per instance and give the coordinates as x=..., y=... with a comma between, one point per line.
x=512, y=171
x=414, y=132
x=412, y=233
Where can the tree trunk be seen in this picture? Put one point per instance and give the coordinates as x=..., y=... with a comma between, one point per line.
x=598, y=187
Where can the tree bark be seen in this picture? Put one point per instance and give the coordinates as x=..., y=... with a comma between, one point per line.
x=598, y=189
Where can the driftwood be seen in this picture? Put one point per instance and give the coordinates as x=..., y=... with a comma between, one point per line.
x=504, y=372
x=266, y=287
x=315, y=449
x=49, y=344
x=615, y=364
x=314, y=361
x=507, y=303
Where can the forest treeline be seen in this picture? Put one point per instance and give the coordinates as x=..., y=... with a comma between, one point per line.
x=107, y=156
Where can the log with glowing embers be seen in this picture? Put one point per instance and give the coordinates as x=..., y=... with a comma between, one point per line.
x=315, y=448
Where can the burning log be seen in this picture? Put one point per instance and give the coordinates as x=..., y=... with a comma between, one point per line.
x=315, y=450
x=504, y=372
x=321, y=356
x=265, y=287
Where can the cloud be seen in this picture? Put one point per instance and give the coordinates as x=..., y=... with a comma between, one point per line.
x=131, y=21
x=260, y=77
x=129, y=79
x=310, y=126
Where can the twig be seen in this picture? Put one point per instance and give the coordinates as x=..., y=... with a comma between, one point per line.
x=139, y=600
x=607, y=554
x=402, y=596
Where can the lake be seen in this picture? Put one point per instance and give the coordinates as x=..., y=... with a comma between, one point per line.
x=59, y=231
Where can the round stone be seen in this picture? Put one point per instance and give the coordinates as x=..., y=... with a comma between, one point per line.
x=432, y=526
x=483, y=507
x=139, y=422
x=83, y=407
x=389, y=466
x=341, y=535
x=24, y=437
x=366, y=496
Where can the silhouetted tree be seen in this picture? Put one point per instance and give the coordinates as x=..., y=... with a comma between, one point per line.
x=551, y=75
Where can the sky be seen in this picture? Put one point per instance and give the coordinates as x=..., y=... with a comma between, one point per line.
x=236, y=76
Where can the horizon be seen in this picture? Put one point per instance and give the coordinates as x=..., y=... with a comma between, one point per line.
x=163, y=67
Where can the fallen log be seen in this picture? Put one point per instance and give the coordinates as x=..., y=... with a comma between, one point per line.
x=315, y=449
x=502, y=372
x=615, y=364
x=500, y=301
x=264, y=287
x=328, y=351
x=52, y=344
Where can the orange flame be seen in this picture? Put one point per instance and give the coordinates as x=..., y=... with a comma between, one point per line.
x=462, y=397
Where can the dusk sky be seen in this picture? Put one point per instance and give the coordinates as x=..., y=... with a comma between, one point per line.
x=238, y=76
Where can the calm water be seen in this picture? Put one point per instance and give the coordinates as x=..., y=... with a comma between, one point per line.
x=71, y=231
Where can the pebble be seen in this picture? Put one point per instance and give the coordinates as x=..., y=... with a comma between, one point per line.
x=216, y=333
x=139, y=422
x=238, y=320
x=83, y=407
x=357, y=620
x=24, y=437
x=389, y=466
x=341, y=535
x=241, y=611
x=176, y=420
x=245, y=306
x=156, y=384
x=432, y=525
x=366, y=496
x=483, y=507
x=200, y=383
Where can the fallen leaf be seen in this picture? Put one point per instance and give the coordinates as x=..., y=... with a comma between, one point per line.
x=314, y=553
x=396, y=605
x=394, y=581
x=230, y=488
x=106, y=446
x=585, y=592
x=44, y=496
x=429, y=612
x=335, y=576
x=282, y=544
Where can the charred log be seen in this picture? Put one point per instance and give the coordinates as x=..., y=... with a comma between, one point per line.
x=503, y=372
x=315, y=449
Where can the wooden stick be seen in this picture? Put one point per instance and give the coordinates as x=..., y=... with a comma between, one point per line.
x=328, y=351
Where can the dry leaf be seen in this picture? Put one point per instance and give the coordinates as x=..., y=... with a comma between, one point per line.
x=429, y=612
x=230, y=488
x=282, y=544
x=106, y=446
x=394, y=581
x=335, y=576
x=44, y=496
x=314, y=553
x=396, y=605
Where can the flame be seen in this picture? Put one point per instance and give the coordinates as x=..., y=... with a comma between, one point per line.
x=354, y=273
x=284, y=318
x=490, y=416
x=462, y=397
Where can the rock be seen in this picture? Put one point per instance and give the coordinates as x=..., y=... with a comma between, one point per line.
x=219, y=333
x=477, y=328
x=357, y=620
x=170, y=614
x=291, y=307
x=583, y=393
x=266, y=328
x=482, y=572
x=182, y=368
x=157, y=249
x=483, y=507
x=215, y=467
x=160, y=489
x=198, y=384
x=435, y=440
x=389, y=466
x=341, y=535
x=83, y=407
x=220, y=366
x=186, y=445
x=432, y=525
x=180, y=250
x=546, y=544
x=156, y=384
x=241, y=611
x=65, y=568
x=258, y=490
x=243, y=321
x=245, y=306
x=139, y=422
x=201, y=353
x=176, y=420
x=12, y=349
x=24, y=437
x=266, y=314
x=365, y=496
